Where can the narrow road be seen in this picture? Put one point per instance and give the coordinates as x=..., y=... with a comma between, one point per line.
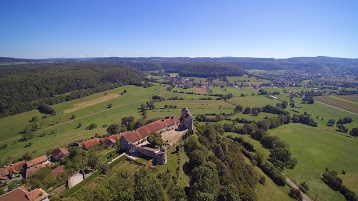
x=293, y=185
x=336, y=107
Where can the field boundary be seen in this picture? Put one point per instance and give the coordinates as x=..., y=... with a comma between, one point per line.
x=336, y=107
x=91, y=102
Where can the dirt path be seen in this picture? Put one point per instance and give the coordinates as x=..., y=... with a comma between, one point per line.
x=293, y=185
x=91, y=102
x=336, y=107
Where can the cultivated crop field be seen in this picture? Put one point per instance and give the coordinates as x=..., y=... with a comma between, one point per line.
x=201, y=91
x=349, y=103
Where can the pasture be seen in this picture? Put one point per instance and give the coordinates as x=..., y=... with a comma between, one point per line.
x=245, y=79
x=319, y=111
x=252, y=101
x=179, y=89
x=317, y=149
x=65, y=128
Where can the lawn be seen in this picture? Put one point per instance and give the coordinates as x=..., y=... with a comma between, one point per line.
x=316, y=149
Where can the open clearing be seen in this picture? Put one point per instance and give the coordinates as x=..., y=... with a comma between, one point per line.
x=172, y=136
x=88, y=103
x=316, y=149
x=339, y=102
x=201, y=91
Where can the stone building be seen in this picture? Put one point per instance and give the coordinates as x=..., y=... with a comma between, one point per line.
x=186, y=120
x=131, y=140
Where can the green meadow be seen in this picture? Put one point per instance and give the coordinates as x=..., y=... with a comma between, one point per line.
x=317, y=149
x=66, y=132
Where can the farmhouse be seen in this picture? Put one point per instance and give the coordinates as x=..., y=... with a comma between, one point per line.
x=22, y=194
x=58, y=170
x=36, y=161
x=59, y=154
x=90, y=143
x=10, y=171
x=108, y=142
x=34, y=169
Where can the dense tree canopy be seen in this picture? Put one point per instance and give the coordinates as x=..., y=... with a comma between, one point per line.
x=25, y=87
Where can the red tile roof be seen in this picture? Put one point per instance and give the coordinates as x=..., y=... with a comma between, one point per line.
x=37, y=195
x=34, y=169
x=144, y=131
x=16, y=167
x=4, y=172
x=36, y=161
x=10, y=169
x=23, y=188
x=15, y=195
x=90, y=143
x=116, y=136
x=22, y=194
x=60, y=153
x=58, y=170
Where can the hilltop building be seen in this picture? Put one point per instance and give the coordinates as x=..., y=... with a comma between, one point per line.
x=131, y=140
x=136, y=141
x=186, y=120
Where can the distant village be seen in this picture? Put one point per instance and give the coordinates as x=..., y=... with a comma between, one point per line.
x=132, y=143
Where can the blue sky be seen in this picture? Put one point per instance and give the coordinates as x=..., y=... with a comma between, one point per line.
x=194, y=28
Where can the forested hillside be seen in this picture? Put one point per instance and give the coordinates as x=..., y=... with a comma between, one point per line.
x=216, y=167
x=191, y=69
x=26, y=87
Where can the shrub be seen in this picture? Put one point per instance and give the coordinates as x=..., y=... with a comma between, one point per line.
x=295, y=193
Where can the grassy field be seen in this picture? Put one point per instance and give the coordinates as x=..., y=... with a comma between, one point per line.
x=325, y=112
x=252, y=101
x=316, y=149
x=178, y=89
x=195, y=107
x=269, y=191
x=66, y=128
x=245, y=79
